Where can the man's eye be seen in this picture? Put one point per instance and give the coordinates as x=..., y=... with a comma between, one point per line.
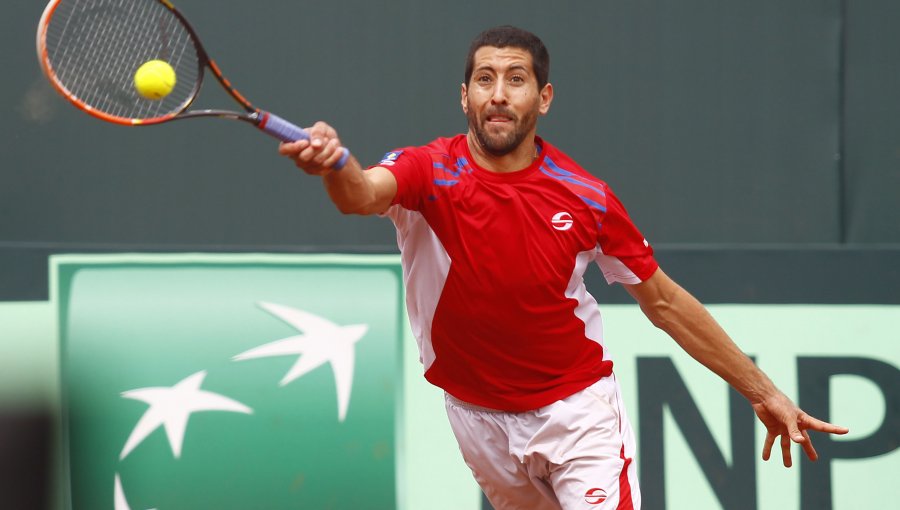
x=517, y=79
x=484, y=79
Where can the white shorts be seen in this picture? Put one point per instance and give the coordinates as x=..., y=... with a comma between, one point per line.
x=576, y=453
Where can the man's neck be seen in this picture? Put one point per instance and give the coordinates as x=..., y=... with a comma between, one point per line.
x=519, y=159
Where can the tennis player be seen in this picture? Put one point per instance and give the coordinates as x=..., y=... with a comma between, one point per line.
x=496, y=228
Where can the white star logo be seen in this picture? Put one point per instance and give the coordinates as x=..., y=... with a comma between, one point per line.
x=171, y=408
x=323, y=341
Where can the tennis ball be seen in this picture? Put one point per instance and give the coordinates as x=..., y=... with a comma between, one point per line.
x=154, y=80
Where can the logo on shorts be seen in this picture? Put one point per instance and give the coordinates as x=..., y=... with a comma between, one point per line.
x=561, y=221
x=595, y=496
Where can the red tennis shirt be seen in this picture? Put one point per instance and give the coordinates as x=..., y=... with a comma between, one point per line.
x=493, y=265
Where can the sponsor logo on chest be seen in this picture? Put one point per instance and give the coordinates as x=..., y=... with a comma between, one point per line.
x=561, y=221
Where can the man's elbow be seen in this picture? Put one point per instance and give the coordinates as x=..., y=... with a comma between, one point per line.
x=361, y=208
x=348, y=208
x=351, y=203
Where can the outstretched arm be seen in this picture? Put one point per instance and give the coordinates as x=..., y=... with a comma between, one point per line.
x=675, y=311
x=352, y=190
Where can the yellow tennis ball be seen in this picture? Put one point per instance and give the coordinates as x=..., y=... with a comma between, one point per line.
x=155, y=79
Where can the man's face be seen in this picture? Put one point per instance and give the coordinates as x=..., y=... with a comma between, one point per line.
x=502, y=100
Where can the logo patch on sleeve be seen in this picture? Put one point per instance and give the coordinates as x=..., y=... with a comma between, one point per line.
x=390, y=158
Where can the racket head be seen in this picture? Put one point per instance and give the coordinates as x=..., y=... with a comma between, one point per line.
x=91, y=49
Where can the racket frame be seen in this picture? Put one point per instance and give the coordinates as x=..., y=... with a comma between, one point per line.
x=252, y=114
x=267, y=122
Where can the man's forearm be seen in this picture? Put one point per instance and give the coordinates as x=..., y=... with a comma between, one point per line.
x=688, y=322
x=349, y=189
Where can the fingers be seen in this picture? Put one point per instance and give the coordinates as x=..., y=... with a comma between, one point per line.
x=321, y=130
x=793, y=430
x=336, y=156
x=785, y=420
x=786, y=450
x=319, y=153
x=327, y=151
x=808, y=447
x=808, y=422
x=291, y=149
x=786, y=459
x=767, y=446
x=796, y=431
x=785, y=443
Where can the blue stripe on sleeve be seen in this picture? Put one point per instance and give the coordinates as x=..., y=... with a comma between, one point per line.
x=591, y=203
x=572, y=180
x=568, y=176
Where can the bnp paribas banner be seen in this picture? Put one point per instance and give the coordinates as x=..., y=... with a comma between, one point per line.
x=274, y=382
x=230, y=382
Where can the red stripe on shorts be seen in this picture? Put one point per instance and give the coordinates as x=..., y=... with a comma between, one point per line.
x=625, y=502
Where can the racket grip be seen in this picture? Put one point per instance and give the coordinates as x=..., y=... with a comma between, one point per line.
x=288, y=132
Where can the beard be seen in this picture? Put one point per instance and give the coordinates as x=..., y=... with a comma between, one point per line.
x=500, y=143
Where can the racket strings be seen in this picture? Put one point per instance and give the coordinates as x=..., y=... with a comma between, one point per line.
x=94, y=48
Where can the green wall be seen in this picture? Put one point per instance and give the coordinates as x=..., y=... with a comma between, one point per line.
x=871, y=125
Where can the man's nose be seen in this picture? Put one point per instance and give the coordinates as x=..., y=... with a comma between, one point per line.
x=498, y=94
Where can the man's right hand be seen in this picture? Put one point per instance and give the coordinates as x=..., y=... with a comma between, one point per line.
x=319, y=154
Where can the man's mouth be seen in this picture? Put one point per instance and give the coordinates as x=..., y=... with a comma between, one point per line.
x=498, y=118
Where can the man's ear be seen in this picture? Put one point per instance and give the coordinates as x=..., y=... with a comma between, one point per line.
x=546, y=99
x=463, y=98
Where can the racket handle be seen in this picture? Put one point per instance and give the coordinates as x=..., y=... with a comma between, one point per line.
x=288, y=132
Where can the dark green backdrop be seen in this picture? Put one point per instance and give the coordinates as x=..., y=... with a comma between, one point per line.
x=766, y=125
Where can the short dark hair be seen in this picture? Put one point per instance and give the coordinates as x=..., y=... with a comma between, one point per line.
x=510, y=36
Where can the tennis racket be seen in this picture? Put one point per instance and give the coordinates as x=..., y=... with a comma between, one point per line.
x=91, y=49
